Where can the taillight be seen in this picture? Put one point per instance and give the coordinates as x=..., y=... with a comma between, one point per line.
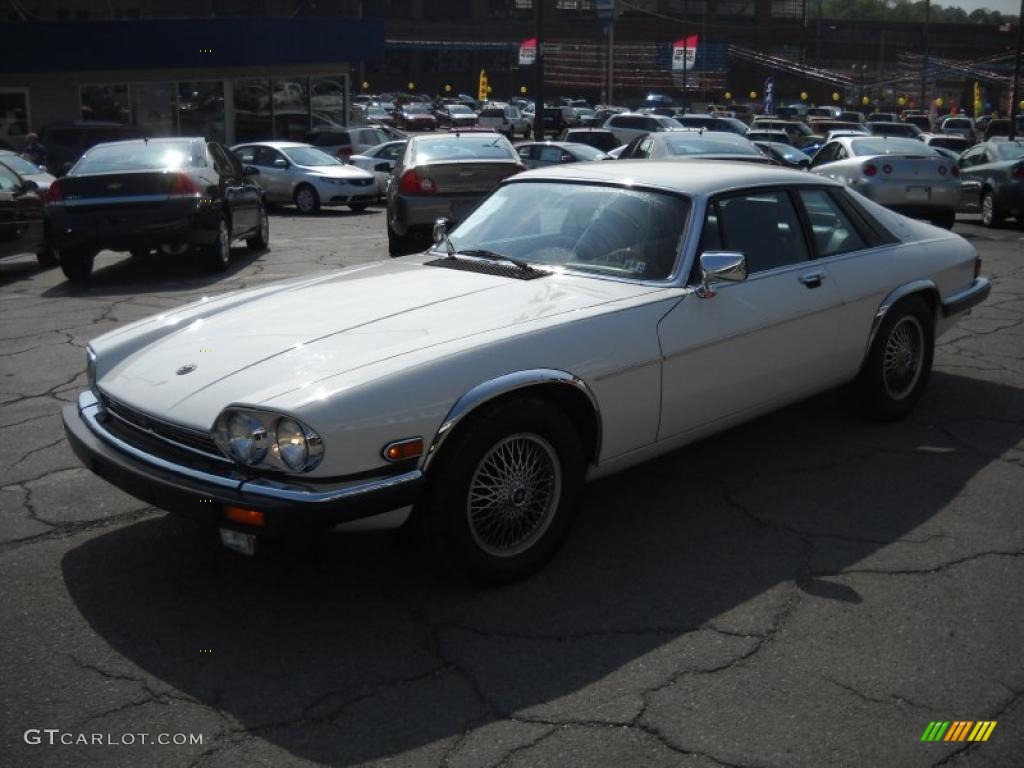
x=870, y=170
x=412, y=183
x=54, y=195
x=345, y=152
x=1018, y=171
x=955, y=170
x=183, y=185
x=887, y=169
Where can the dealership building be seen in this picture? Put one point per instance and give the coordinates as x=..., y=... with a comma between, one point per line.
x=229, y=79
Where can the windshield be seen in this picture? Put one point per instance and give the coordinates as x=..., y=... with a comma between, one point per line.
x=862, y=147
x=310, y=156
x=463, y=148
x=707, y=144
x=20, y=165
x=606, y=230
x=460, y=110
x=586, y=152
x=142, y=156
x=1009, y=150
x=416, y=109
x=792, y=154
x=950, y=142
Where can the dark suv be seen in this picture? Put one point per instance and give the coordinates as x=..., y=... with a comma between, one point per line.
x=65, y=142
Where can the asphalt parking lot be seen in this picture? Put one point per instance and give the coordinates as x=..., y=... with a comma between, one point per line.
x=805, y=590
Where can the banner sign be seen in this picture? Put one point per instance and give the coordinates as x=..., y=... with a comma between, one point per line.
x=482, y=89
x=684, y=53
x=528, y=52
x=977, y=100
x=769, y=96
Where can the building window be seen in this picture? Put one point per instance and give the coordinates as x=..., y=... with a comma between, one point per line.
x=14, y=118
x=155, y=107
x=106, y=102
x=201, y=110
x=252, y=110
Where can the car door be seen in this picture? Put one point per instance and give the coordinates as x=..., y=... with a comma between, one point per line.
x=239, y=192
x=972, y=164
x=528, y=155
x=754, y=344
x=274, y=174
x=21, y=216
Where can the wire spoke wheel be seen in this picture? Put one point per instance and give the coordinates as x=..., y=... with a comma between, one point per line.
x=903, y=357
x=513, y=494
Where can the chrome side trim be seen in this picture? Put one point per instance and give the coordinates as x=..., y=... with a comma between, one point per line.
x=116, y=200
x=917, y=286
x=88, y=407
x=510, y=382
x=971, y=296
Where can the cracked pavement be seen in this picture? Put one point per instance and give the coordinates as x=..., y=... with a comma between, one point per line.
x=806, y=590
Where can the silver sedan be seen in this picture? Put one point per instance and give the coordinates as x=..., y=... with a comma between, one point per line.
x=375, y=159
x=290, y=172
x=905, y=175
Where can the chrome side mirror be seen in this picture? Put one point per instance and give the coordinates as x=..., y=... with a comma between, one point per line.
x=441, y=235
x=726, y=266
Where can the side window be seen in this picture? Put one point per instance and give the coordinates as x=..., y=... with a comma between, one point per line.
x=988, y=156
x=763, y=226
x=246, y=155
x=841, y=153
x=825, y=155
x=8, y=181
x=833, y=232
x=644, y=150
x=550, y=154
x=524, y=152
x=220, y=161
x=650, y=124
x=265, y=157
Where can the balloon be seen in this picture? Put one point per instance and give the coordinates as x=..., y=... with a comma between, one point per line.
x=753, y=94
x=522, y=89
x=902, y=101
x=835, y=96
x=938, y=102
x=365, y=85
x=865, y=100
x=728, y=95
x=412, y=86
x=803, y=95
x=447, y=89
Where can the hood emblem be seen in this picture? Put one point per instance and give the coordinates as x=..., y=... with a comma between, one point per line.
x=186, y=369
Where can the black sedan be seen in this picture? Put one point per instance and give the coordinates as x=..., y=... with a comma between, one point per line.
x=992, y=181
x=173, y=195
x=21, y=217
x=543, y=153
x=691, y=143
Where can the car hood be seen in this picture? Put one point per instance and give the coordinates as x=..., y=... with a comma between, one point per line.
x=336, y=171
x=254, y=346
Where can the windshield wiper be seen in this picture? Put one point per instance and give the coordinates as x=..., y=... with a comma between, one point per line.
x=481, y=253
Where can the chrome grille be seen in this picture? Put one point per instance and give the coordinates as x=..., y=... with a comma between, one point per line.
x=180, y=437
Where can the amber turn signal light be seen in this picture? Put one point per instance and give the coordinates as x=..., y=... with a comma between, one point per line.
x=401, y=450
x=244, y=516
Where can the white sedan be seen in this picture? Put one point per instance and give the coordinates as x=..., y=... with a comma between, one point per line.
x=380, y=161
x=582, y=319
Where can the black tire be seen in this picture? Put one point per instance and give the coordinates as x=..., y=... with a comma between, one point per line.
x=76, y=264
x=306, y=199
x=991, y=216
x=261, y=239
x=544, y=442
x=945, y=220
x=358, y=207
x=217, y=255
x=899, y=362
x=47, y=258
x=399, y=245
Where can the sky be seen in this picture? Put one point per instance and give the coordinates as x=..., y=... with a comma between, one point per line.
x=1006, y=6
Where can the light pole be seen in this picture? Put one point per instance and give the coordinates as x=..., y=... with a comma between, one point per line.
x=538, y=88
x=924, y=65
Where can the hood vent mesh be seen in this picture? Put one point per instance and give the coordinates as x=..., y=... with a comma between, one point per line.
x=497, y=268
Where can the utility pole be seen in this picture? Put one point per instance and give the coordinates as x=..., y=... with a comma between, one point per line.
x=686, y=8
x=1014, y=96
x=924, y=64
x=538, y=88
x=611, y=60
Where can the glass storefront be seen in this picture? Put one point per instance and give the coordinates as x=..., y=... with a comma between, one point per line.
x=264, y=108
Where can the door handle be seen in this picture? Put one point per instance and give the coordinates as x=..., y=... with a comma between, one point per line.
x=812, y=279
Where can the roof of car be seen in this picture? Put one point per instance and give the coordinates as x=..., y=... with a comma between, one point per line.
x=274, y=144
x=701, y=177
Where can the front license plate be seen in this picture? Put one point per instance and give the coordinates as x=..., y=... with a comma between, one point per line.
x=917, y=194
x=236, y=541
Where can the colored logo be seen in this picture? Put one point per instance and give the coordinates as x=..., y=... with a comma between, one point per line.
x=958, y=730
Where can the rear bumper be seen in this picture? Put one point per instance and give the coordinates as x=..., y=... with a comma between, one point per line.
x=959, y=303
x=202, y=496
x=125, y=229
x=410, y=213
x=923, y=199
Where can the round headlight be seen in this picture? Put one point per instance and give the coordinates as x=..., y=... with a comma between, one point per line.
x=291, y=444
x=247, y=438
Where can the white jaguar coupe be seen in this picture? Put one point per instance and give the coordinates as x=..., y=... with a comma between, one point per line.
x=582, y=319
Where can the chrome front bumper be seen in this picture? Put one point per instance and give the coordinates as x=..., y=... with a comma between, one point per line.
x=193, y=489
